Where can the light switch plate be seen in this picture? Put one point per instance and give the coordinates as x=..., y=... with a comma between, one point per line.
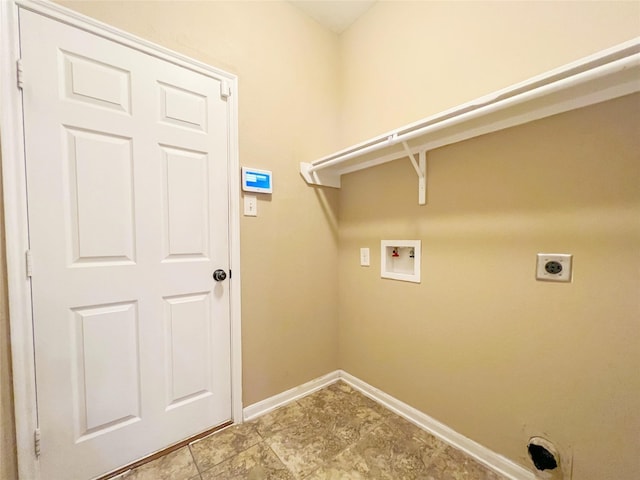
x=554, y=267
x=365, y=258
x=250, y=206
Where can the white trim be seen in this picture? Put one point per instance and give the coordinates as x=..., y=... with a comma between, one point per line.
x=269, y=404
x=88, y=24
x=234, y=260
x=482, y=454
x=16, y=219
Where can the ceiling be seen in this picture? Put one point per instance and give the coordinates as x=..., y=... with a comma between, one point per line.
x=337, y=15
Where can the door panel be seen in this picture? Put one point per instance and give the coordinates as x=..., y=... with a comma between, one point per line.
x=88, y=80
x=188, y=348
x=186, y=217
x=107, y=380
x=183, y=107
x=126, y=159
x=100, y=166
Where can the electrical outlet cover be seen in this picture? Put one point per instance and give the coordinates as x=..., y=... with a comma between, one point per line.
x=554, y=267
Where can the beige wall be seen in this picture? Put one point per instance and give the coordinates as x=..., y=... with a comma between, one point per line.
x=479, y=344
x=406, y=60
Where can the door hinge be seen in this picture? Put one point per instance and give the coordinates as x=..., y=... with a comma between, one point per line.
x=225, y=89
x=29, y=263
x=20, y=74
x=36, y=441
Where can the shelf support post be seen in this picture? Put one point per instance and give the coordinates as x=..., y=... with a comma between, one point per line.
x=422, y=179
x=420, y=167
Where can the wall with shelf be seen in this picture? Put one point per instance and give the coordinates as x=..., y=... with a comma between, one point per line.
x=605, y=75
x=474, y=344
x=479, y=343
x=415, y=59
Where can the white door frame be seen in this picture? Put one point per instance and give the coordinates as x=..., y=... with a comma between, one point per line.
x=16, y=215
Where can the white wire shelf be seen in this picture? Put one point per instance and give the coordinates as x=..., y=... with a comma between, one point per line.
x=606, y=75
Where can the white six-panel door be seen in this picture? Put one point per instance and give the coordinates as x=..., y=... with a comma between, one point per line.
x=127, y=183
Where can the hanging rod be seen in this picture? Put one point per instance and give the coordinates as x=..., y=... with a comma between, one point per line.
x=613, y=67
x=475, y=110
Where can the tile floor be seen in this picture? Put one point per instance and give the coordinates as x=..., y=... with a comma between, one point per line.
x=333, y=434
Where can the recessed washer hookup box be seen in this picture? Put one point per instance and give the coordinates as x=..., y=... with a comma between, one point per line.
x=255, y=180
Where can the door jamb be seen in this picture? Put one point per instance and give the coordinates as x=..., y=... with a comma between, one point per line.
x=17, y=243
x=16, y=214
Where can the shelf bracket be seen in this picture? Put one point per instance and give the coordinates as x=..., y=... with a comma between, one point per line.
x=420, y=167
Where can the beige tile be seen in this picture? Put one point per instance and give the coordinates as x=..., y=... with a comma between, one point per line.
x=362, y=400
x=337, y=409
x=357, y=398
x=303, y=449
x=452, y=464
x=388, y=452
x=352, y=424
x=334, y=434
x=225, y=444
x=347, y=421
x=348, y=465
x=341, y=386
x=178, y=465
x=281, y=419
x=407, y=428
x=333, y=473
x=323, y=399
x=255, y=463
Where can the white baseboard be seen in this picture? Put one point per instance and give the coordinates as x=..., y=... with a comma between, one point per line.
x=487, y=457
x=482, y=454
x=268, y=404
